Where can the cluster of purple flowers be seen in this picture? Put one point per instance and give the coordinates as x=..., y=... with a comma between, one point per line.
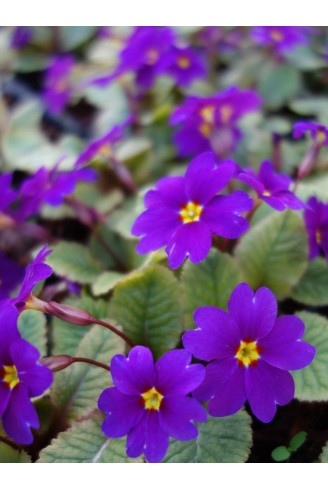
x=280, y=38
x=57, y=83
x=209, y=123
x=153, y=51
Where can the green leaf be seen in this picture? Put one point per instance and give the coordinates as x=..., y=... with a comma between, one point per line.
x=74, y=261
x=324, y=455
x=77, y=388
x=312, y=382
x=209, y=283
x=304, y=58
x=316, y=106
x=278, y=84
x=314, y=186
x=10, y=455
x=297, y=441
x=73, y=36
x=280, y=453
x=66, y=337
x=147, y=305
x=86, y=443
x=106, y=282
x=220, y=440
x=274, y=252
x=312, y=289
x=32, y=326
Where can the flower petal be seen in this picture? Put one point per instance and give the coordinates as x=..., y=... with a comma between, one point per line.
x=4, y=397
x=216, y=337
x=266, y=387
x=177, y=415
x=157, y=442
x=37, y=379
x=283, y=347
x=8, y=331
x=256, y=313
x=135, y=374
x=175, y=375
x=124, y=412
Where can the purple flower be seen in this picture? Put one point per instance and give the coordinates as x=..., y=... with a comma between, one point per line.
x=271, y=187
x=103, y=147
x=282, y=38
x=21, y=377
x=21, y=36
x=319, y=132
x=149, y=403
x=183, y=212
x=249, y=352
x=316, y=222
x=58, y=90
x=51, y=187
x=7, y=194
x=210, y=122
x=11, y=275
x=183, y=64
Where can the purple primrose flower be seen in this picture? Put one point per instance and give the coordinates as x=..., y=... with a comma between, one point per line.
x=249, y=352
x=319, y=132
x=271, y=187
x=282, y=38
x=183, y=212
x=316, y=222
x=149, y=402
x=21, y=36
x=11, y=275
x=21, y=377
x=58, y=89
x=183, y=64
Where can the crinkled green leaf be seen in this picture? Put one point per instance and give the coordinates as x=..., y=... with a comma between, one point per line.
x=106, y=282
x=312, y=289
x=77, y=388
x=86, y=443
x=312, y=382
x=303, y=57
x=209, y=283
x=10, y=455
x=32, y=326
x=147, y=305
x=314, y=186
x=74, y=261
x=274, y=252
x=73, y=36
x=220, y=440
x=278, y=83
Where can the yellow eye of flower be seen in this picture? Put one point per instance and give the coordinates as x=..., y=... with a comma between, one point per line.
x=184, y=62
x=152, y=399
x=205, y=129
x=9, y=376
x=191, y=212
x=207, y=114
x=321, y=136
x=105, y=151
x=226, y=112
x=152, y=56
x=318, y=237
x=248, y=353
x=276, y=35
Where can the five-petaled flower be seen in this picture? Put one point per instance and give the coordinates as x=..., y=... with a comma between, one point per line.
x=271, y=187
x=249, y=352
x=149, y=402
x=316, y=223
x=21, y=377
x=183, y=212
x=319, y=132
x=281, y=38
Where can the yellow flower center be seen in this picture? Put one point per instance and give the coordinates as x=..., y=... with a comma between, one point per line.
x=184, y=62
x=318, y=237
x=226, y=112
x=9, y=376
x=248, y=353
x=61, y=85
x=191, y=212
x=152, y=399
x=321, y=136
x=105, y=151
x=276, y=35
x=152, y=57
x=207, y=114
x=266, y=193
x=205, y=129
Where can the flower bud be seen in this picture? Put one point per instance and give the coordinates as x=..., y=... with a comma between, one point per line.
x=57, y=363
x=69, y=314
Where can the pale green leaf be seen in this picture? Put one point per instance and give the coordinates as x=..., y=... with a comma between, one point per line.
x=10, y=455
x=312, y=289
x=220, y=440
x=312, y=382
x=278, y=83
x=324, y=455
x=32, y=326
x=209, y=283
x=106, y=282
x=274, y=252
x=147, y=305
x=85, y=442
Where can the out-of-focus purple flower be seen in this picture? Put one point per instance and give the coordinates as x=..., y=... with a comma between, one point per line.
x=271, y=187
x=21, y=36
x=21, y=378
x=7, y=194
x=282, y=38
x=58, y=88
x=205, y=121
x=249, y=351
x=149, y=403
x=142, y=53
x=11, y=275
x=316, y=222
x=183, y=212
x=319, y=132
x=183, y=64
x=103, y=147
x=51, y=187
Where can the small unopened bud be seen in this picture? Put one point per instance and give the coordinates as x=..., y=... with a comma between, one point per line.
x=69, y=314
x=309, y=161
x=57, y=363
